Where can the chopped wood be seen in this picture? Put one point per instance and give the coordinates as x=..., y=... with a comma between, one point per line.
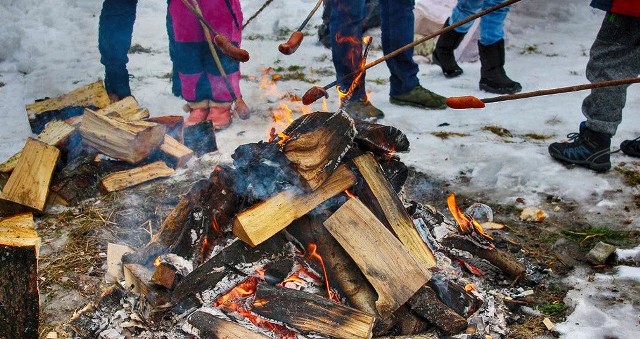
x=137, y=115
x=128, y=141
x=425, y=303
x=77, y=181
x=310, y=313
x=19, y=298
x=129, y=178
x=549, y=324
x=123, y=108
x=263, y=220
x=174, y=153
x=173, y=123
x=10, y=164
x=28, y=184
x=207, y=325
x=114, y=261
x=394, y=273
x=164, y=275
x=138, y=278
x=315, y=144
x=200, y=138
x=392, y=210
x=66, y=106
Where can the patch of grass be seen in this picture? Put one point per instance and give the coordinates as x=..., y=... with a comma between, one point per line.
x=166, y=75
x=378, y=81
x=536, y=136
x=631, y=176
x=254, y=37
x=447, y=135
x=293, y=72
x=284, y=32
x=138, y=49
x=322, y=58
x=497, y=130
x=323, y=71
x=589, y=236
x=555, y=308
x=530, y=49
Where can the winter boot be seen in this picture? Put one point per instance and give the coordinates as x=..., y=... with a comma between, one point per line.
x=361, y=109
x=587, y=148
x=420, y=97
x=443, y=54
x=219, y=114
x=631, y=147
x=198, y=112
x=493, y=78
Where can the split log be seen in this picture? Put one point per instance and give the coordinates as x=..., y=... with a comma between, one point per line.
x=506, y=262
x=394, y=273
x=125, y=109
x=138, y=279
x=263, y=220
x=392, y=211
x=207, y=325
x=66, y=106
x=173, y=123
x=119, y=139
x=28, y=185
x=174, y=153
x=129, y=178
x=138, y=115
x=380, y=139
x=19, y=300
x=315, y=144
x=310, y=313
x=201, y=138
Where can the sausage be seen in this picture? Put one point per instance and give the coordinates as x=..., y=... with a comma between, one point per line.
x=464, y=102
x=292, y=44
x=230, y=49
x=313, y=94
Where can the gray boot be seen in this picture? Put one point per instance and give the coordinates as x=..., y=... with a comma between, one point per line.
x=493, y=78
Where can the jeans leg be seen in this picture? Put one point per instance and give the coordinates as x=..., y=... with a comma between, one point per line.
x=492, y=24
x=397, y=31
x=463, y=10
x=615, y=54
x=345, y=27
x=114, y=39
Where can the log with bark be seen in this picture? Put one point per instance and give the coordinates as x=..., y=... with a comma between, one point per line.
x=132, y=177
x=380, y=139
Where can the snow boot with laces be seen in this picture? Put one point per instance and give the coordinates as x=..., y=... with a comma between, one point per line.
x=586, y=148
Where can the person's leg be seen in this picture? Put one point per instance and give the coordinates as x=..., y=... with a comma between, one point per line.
x=345, y=27
x=463, y=10
x=114, y=40
x=492, y=24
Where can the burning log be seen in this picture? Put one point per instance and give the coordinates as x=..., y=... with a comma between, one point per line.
x=206, y=325
x=66, y=106
x=392, y=210
x=380, y=139
x=19, y=300
x=138, y=278
x=129, y=178
x=169, y=270
x=315, y=144
x=129, y=141
x=426, y=304
x=310, y=313
x=263, y=220
x=28, y=185
x=394, y=273
x=200, y=138
x=173, y=123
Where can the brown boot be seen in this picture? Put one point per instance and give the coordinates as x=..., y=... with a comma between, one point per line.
x=198, y=112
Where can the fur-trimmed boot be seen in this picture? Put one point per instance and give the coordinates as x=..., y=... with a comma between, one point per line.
x=198, y=112
x=443, y=54
x=493, y=78
x=219, y=114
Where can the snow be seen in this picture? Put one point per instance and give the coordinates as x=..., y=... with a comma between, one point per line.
x=49, y=47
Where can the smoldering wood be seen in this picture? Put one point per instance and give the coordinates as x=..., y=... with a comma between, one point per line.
x=128, y=178
x=426, y=303
x=261, y=221
x=392, y=271
x=380, y=139
x=66, y=106
x=506, y=262
x=315, y=144
x=455, y=296
x=138, y=278
x=173, y=123
x=164, y=275
x=382, y=198
x=209, y=326
x=200, y=138
x=310, y=313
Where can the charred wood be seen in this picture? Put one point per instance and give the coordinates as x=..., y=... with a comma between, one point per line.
x=380, y=139
x=206, y=325
x=425, y=303
x=200, y=138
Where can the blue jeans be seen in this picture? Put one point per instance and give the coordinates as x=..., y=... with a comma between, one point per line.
x=491, y=25
x=397, y=30
x=114, y=39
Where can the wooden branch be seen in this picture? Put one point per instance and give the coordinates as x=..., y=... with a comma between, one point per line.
x=310, y=313
x=211, y=327
x=267, y=218
x=393, y=210
x=385, y=261
x=28, y=185
x=129, y=178
x=19, y=298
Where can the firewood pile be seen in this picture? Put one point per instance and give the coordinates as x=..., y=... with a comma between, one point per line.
x=306, y=234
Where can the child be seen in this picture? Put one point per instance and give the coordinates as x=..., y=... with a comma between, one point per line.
x=196, y=78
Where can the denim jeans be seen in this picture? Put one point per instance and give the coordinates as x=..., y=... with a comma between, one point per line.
x=114, y=39
x=491, y=25
x=345, y=27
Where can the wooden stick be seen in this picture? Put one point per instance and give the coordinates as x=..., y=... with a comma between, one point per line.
x=469, y=101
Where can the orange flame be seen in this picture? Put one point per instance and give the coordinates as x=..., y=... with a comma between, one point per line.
x=352, y=57
x=312, y=253
x=157, y=262
x=467, y=225
x=283, y=138
x=215, y=226
x=349, y=194
x=470, y=287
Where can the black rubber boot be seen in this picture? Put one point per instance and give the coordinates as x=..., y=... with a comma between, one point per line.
x=443, y=53
x=493, y=78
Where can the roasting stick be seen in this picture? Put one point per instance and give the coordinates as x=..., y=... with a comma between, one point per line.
x=296, y=37
x=470, y=101
x=316, y=92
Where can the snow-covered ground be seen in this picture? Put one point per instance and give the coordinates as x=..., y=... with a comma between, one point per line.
x=49, y=47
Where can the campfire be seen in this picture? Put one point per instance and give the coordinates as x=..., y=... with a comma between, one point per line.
x=304, y=234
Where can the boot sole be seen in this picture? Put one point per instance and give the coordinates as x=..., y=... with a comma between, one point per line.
x=588, y=164
x=490, y=89
x=414, y=104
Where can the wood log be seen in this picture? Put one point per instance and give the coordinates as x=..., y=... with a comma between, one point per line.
x=310, y=313
x=200, y=138
x=506, y=262
x=124, y=108
x=129, y=178
x=394, y=273
x=173, y=123
x=425, y=303
x=66, y=106
x=392, y=210
x=28, y=184
x=315, y=144
x=380, y=139
x=174, y=153
x=138, y=278
x=119, y=139
x=206, y=325
x=19, y=299
x=137, y=115
x=263, y=220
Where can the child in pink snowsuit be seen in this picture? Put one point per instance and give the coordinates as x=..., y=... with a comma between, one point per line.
x=196, y=78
